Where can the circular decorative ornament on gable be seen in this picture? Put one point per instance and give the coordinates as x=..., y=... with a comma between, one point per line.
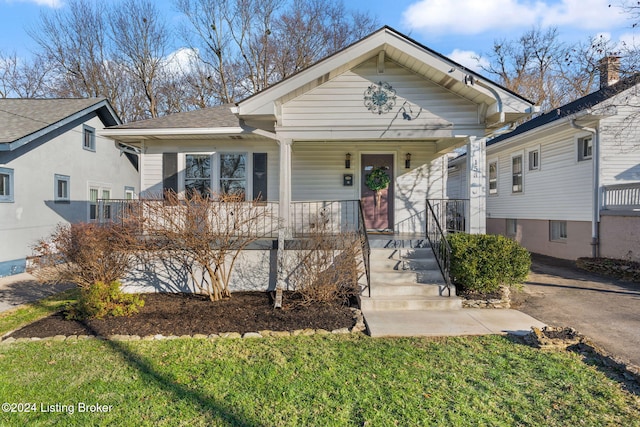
x=380, y=98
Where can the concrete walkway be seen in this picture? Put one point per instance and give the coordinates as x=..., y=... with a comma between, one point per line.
x=24, y=288
x=466, y=321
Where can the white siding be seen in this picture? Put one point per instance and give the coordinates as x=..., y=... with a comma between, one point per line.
x=317, y=174
x=559, y=190
x=457, y=181
x=152, y=161
x=340, y=102
x=620, y=146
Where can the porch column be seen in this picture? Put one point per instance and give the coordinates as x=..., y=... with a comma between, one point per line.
x=476, y=211
x=285, y=209
x=285, y=181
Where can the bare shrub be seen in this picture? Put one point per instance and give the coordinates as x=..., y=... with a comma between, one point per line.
x=326, y=266
x=204, y=234
x=85, y=253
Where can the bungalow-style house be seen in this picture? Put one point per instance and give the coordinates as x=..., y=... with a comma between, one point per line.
x=385, y=108
x=567, y=183
x=54, y=166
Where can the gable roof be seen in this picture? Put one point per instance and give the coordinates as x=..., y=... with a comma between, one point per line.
x=219, y=116
x=571, y=108
x=23, y=120
x=387, y=43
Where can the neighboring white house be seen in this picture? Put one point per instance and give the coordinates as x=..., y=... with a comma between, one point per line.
x=567, y=183
x=384, y=103
x=53, y=164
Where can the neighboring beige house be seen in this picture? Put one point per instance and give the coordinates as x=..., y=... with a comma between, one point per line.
x=54, y=165
x=567, y=183
x=309, y=143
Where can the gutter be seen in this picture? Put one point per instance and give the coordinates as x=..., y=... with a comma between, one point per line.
x=595, y=215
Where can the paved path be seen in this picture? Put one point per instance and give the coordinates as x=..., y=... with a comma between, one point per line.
x=605, y=310
x=23, y=288
x=465, y=321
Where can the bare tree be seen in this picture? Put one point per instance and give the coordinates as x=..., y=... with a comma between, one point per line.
x=23, y=78
x=204, y=235
x=142, y=40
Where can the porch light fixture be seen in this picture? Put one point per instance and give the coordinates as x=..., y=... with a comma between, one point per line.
x=347, y=161
x=407, y=161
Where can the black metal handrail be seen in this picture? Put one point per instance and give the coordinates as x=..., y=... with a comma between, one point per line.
x=337, y=216
x=439, y=244
x=451, y=214
x=366, y=248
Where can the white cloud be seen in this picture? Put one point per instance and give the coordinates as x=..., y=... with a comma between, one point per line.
x=475, y=17
x=49, y=3
x=180, y=60
x=468, y=59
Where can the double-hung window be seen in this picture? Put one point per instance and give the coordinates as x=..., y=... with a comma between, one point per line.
x=493, y=177
x=102, y=210
x=88, y=138
x=233, y=173
x=6, y=185
x=62, y=188
x=516, y=174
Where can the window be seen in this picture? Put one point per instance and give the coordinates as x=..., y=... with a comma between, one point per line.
x=233, y=178
x=89, y=138
x=99, y=210
x=516, y=174
x=61, y=188
x=197, y=177
x=493, y=177
x=557, y=230
x=585, y=148
x=6, y=185
x=512, y=227
x=129, y=193
x=534, y=160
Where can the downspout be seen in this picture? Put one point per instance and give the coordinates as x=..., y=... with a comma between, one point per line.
x=595, y=215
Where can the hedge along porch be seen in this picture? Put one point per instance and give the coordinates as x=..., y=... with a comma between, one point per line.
x=384, y=103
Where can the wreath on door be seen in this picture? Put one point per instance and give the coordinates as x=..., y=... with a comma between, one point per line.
x=377, y=181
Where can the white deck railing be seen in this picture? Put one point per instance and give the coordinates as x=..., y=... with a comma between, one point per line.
x=621, y=196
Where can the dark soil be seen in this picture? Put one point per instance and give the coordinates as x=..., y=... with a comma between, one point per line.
x=189, y=314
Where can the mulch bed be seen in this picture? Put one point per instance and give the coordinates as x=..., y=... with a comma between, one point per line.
x=189, y=314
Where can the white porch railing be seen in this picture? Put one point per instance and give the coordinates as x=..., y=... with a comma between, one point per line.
x=621, y=196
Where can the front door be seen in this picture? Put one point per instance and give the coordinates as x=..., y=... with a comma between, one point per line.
x=377, y=199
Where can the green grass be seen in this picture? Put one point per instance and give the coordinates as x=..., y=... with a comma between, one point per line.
x=28, y=313
x=318, y=380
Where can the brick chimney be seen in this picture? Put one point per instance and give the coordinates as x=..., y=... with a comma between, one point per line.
x=609, y=70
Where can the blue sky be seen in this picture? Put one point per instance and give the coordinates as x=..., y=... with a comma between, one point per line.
x=459, y=29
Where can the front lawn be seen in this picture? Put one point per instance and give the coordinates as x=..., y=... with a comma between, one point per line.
x=317, y=380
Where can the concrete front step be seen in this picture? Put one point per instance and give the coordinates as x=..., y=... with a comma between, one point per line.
x=418, y=254
x=390, y=277
x=393, y=264
x=393, y=303
x=411, y=290
x=382, y=243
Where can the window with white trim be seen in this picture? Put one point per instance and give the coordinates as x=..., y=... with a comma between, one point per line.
x=557, y=231
x=516, y=174
x=62, y=188
x=197, y=174
x=129, y=193
x=88, y=138
x=233, y=173
x=493, y=177
x=534, y=159
x=585, y=148
x=97, y=197
x=6, y=185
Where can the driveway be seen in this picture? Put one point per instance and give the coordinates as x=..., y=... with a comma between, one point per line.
x=23, y=288
x=603, y=309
